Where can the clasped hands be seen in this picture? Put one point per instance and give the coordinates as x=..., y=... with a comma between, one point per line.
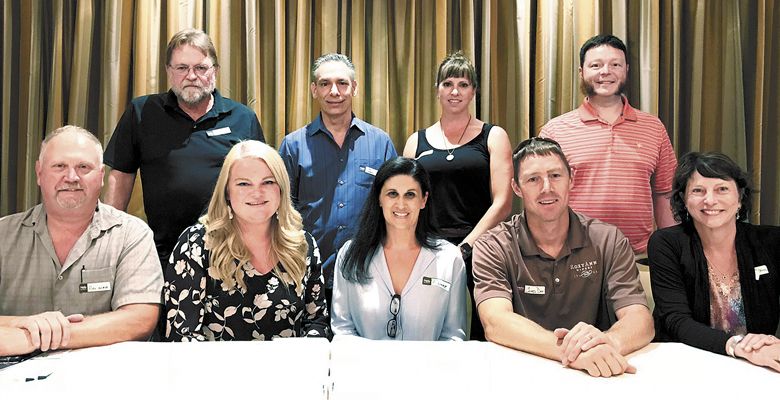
x=50, y=330
x=586, y=348
x=758, y=349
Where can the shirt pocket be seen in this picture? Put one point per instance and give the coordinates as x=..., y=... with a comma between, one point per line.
x=366, y=172
x=96, y=289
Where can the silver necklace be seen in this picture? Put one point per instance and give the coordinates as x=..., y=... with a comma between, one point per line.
x=451, y=156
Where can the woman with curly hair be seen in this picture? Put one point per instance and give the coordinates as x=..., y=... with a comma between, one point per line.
x=715, y=277
x=247, y=271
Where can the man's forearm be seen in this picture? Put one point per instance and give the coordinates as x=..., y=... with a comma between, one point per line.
x=15, y=341
x=633, y=330
x=512, y=330
x=119, y=188
x=130, y=322
x=662, y=210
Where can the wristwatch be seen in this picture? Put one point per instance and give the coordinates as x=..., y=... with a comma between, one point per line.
x=465, y=250
x=732, y=343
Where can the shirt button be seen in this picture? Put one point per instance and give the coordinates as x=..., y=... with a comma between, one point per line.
x=341, y=227
x=341, y=182
x=59, y=277
x=557, y=280
x=341, y=159
x=341, y=205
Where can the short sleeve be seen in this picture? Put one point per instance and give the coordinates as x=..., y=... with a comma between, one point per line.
x=121, y=152
x=138, y=273
x=489, y=265
x=667, y=164
x=623, y=285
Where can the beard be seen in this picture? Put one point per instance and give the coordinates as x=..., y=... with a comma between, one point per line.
x=192, y=97
x=69, y=201
x=588, y=89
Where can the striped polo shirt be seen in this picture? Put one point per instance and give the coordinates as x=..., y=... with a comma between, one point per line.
x=617, y=167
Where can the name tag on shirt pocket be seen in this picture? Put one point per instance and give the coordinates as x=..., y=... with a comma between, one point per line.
x=219, y=131
x=530, y=289
x=428, y=281
x=368, y=170
x=94, y=287
x=96, y=280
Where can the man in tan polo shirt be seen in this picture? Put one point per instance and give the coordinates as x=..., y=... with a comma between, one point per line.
x=75, y=272
x=555, y=283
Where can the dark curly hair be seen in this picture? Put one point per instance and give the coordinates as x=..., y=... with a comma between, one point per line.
x=709, y=165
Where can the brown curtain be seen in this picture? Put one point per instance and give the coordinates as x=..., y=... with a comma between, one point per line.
x=703, y=66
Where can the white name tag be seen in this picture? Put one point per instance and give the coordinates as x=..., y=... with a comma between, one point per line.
x=529, y=289
x=95, y=287
x=436, y=282
x=369, y=170
x=220, y=131
x=761, y=270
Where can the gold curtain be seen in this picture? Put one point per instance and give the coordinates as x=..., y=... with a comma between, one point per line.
x=703, y=66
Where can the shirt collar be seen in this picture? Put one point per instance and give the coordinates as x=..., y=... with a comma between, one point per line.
x=317, y=126
x=102, y=220
x=588, y=113
x=576, y=237
x=220, y=106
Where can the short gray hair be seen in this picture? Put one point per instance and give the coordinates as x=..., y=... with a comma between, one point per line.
x=76, y=130
x=332, y=57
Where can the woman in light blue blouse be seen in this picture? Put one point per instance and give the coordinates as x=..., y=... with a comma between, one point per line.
x=395, y=279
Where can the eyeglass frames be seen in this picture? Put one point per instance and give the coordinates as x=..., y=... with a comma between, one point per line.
x=395, y=307
x=201, y=70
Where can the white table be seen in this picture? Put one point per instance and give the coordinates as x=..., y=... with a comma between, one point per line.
x=479, y=370
x=353, y=368
x=283, y=369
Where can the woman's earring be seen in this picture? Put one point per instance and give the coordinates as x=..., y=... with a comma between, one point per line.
x=230, y=212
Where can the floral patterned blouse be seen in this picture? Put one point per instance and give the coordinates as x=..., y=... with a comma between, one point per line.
x=198, y=307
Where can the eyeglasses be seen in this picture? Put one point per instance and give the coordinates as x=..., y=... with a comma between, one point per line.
x=395, y=307
x=201, y=70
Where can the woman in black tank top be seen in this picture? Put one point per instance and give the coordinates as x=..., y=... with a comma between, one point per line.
x=469, y=163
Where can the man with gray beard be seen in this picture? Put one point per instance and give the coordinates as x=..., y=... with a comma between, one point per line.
x=178, y=140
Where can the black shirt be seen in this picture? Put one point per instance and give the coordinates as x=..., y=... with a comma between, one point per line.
x=179, y=158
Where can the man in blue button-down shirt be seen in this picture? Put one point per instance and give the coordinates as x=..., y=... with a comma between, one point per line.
x=332, y=161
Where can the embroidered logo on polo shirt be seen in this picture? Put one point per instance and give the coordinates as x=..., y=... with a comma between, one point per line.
x=583, y=270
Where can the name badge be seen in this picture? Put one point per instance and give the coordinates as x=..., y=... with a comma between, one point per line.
x=220, y=131
x=368, y=170
x=428, y=281
x=94, y=287
x=761, y=270
x=530, y=289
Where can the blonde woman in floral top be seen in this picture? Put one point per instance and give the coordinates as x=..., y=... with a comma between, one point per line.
x=247, y=271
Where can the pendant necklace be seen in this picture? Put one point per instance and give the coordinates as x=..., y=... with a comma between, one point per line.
x=722, y=280
x=451, y=156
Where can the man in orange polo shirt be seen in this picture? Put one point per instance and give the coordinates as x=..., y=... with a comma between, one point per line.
x=621, y=157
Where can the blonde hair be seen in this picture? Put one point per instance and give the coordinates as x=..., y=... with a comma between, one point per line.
x=228, y=254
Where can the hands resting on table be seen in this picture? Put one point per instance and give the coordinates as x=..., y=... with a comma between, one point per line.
x=762, y=350
x=48, y=330
x=586, y=348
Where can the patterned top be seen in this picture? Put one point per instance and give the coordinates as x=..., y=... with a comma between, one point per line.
x=199, y=307
x=726, y=310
